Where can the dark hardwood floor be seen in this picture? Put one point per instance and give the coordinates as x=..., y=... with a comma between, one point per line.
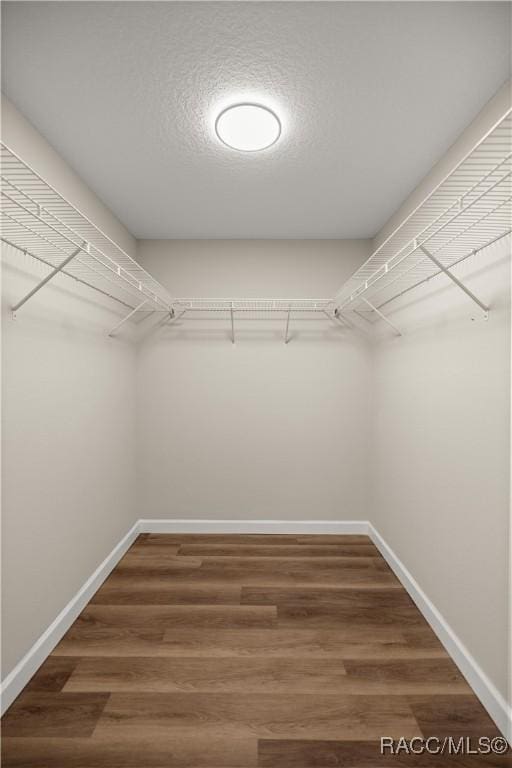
x=238, y=651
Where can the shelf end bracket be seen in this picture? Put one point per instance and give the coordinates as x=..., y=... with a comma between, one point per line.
x=458, y=283
x=43, y=282
x=114, y=330
x=382, y=316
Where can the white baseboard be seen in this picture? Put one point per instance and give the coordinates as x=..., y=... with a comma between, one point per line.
x=484, y=688
x=17, y=679
x=486, y=691
x=254, y=526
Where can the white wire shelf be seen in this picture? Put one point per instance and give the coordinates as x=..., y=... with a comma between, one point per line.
x=233, y=307
x=253, y=305
x=469, y=210
x=39, y=221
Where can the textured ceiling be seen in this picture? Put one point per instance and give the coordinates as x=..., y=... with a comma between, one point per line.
x=370, y=96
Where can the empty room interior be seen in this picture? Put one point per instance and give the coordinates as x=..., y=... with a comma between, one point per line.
x=256, y=384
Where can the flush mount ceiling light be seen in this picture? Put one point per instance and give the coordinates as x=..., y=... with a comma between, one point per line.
x=248, y=127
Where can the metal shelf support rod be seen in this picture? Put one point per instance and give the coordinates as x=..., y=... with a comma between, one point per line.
x=64, y=272
x=454, y=279
x=77, y=259
x=286, y=336
x=473, y=251
x=232, y=324
x=127, y=317
x=340, y=320
x=382, y=316
x=414, y=245
x=454, y=264
x=439, y=185
x=46, y=279
x=112, y=266
x=77, y=210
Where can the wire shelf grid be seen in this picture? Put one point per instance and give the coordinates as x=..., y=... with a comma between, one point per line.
x=470, y=209
x=253, y=305
x=39, y=221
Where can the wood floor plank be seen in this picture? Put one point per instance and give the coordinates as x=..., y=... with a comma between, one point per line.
x=175, y=751
x=265, y=539
x=271, y=565
x=349, y=642
x=217, y=574
x=162, y=591
x=52, y=674
x=332, y=615
x=333, y=538
x=156, y=556
x=278, y=550
x=421, y=637
x=378, y=596
x=155, y=618
x=175, y=565
x=259, y=715
x=456, y=716
x=109, y=641
x=54, y=714
x=179, y=539
x=142, y=547
x=230, y=675
x=440, y=675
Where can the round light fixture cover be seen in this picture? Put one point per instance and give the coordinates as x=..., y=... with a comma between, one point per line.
x=248, y=127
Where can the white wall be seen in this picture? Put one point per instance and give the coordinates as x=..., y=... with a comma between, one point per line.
x=67, y=428
x=256, y=429
x=442, y=457
x=441, y=442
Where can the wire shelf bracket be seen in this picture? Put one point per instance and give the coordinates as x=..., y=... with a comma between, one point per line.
x=44, y=281
x=456, y=280
x=40, y=222
x=382, y=316
x=114, y=330
x=468, y=211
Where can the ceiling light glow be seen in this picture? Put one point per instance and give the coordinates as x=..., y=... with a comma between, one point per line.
x=248, y=127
